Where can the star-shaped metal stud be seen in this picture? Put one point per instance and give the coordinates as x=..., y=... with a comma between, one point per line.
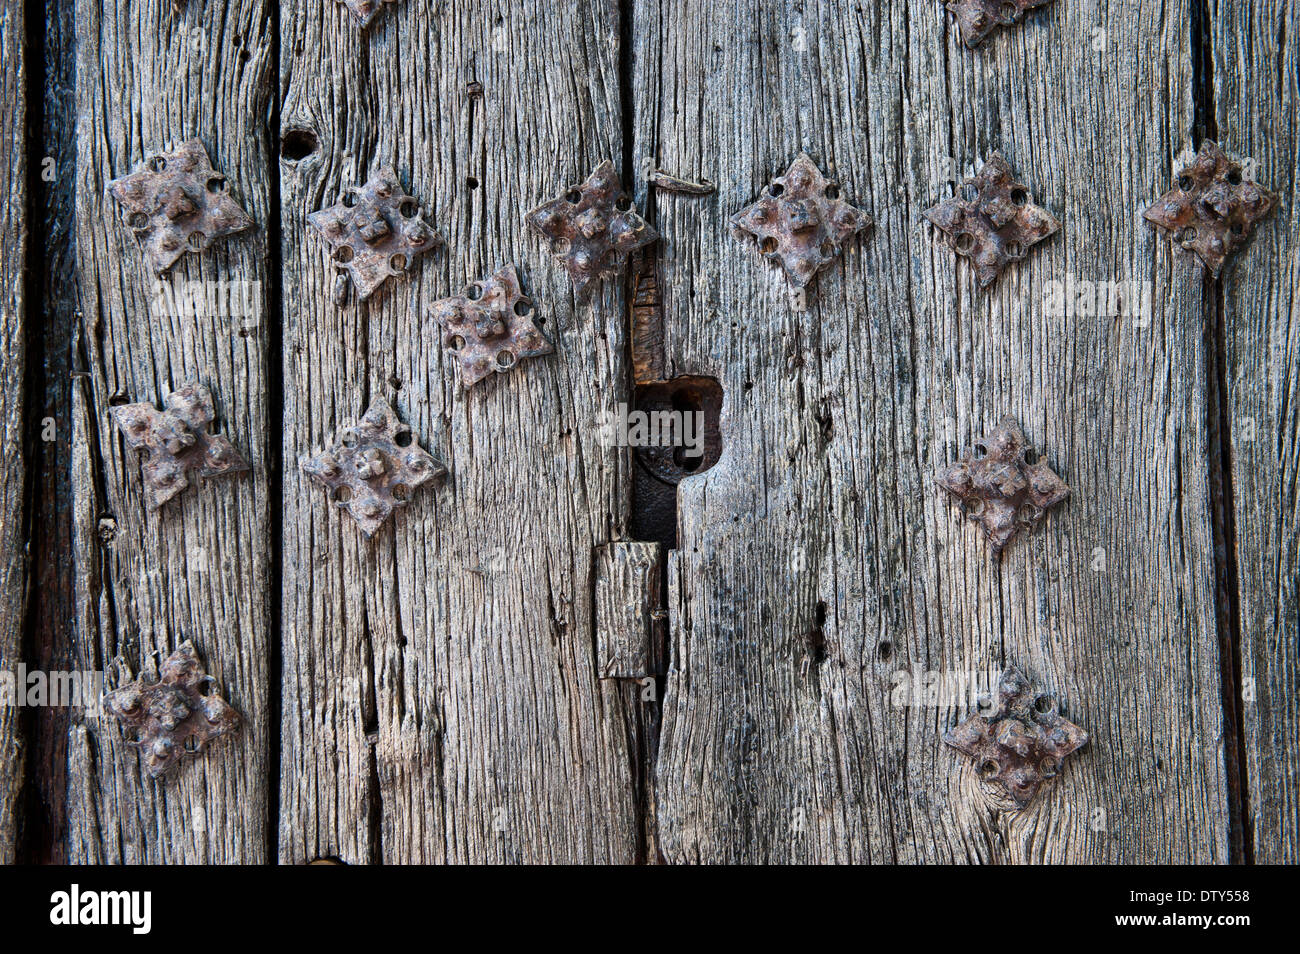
x=1021, y=743
x=175, y=716
x=372, y=467
x=175, y=442
x=375, y=231
x=592, y=227
x=490, y=327
x=991, y=220
x=365, y=10
x=176, y=202
x=1213, y=209
x=978, y=18
x=800, y=221
x=1003, y=484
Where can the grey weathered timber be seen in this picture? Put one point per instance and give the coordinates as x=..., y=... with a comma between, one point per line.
x=1256, y=85
x=816, y=562
x=627, y=603
x=149, y=76
x=440, y=694
x=13, y=470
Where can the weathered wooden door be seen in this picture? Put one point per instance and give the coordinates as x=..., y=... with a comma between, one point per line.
x=550, y=655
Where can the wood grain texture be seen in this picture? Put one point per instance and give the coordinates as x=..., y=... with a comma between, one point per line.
x=149, y=76
x=1256, y=86
x=13, y=365
x=817, y=560
x=440, y=694
x=627, y=600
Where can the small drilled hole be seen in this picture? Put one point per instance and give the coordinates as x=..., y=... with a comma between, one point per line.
x=157, y=163
x=522, y=307
x=216, y=184
x=298, y=144
x=457, y=342
x=832, y=191
x=1187, y=236
x=408, y=209
x=1044, y=704
x=1185, y=183
x=471, y=182
x=775, y=188
x=768, y=245
x=349, y=438
x=1031, y=456
x=349, y=199
x=1238, y=228
x=505, y=359
x=342, y=494
x=623, y=203
x=474, y=292
x=885, y=650
x=980, y=451
x=1007, y=12
x=343, y=253
x=1019, y=196
x=965, y=242
x=1234, y=177
x=988, y=768
x=397, y=263
x=573, y=197
x=402, y=439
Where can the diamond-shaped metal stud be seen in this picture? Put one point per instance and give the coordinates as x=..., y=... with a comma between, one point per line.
x=176, y=202
x=366, y=10
x=992, y=220
x=1003, y=484
x=978, y=18
x=1213, y=209
x=800, y=221
x=372, y=467
x=176, y=442
x=375, y=231
x=490, y=327
x=592, y=227
x=175, y=716
x=1021, y=743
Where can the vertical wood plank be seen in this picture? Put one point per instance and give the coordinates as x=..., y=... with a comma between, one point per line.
x=1256, y=84
x=13, y=468
x=441, y=700
x=149, y=76
x=817, y=561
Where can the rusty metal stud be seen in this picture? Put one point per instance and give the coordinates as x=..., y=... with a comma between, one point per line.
x=592, y=227
x=372, y=467
x=490, y=327
x=365, y=10
x=176, y=716
x=375, y=232
x=176, y=202
x=800, y=221
x=176, y=442
x=978, y=18
x=1213, y=208
x=991, y=220
x=1003, y=484
x=1021, y=743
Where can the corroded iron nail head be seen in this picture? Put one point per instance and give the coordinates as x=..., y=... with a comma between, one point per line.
x=1022, y=742
x=1213, y=209
x=378, y=235
x=177, y=442
x=372, y=467
x=490, y=327
x=366, y=10
x=176, y=202
x=992, y=220
x=978, y=18
x=592, y=227
x=172, y=717
x=800, y=221
x=1003, y=484
x=668, y=182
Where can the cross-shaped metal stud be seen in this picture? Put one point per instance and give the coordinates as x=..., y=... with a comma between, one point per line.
x=592, y=227
x=978, y=18
x=176, y=442
x=800, y=221
x=372, y=467
x=375, y=232
x=1213, y=209
x=176, y=715
x=490, y=327
x=176, y=202
x=1021, y=742
x=1003, y=484
x=991, y=220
